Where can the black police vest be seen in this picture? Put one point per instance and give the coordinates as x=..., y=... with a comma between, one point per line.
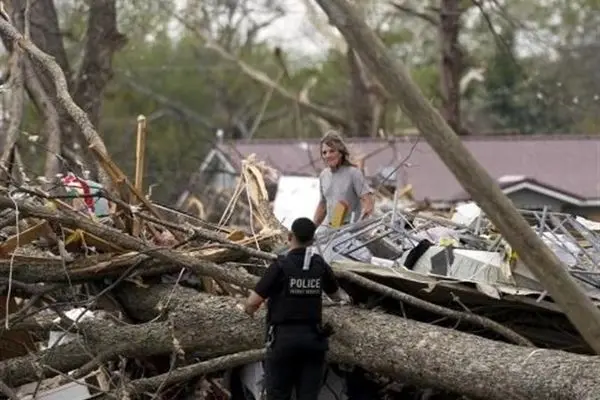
x=299, y=301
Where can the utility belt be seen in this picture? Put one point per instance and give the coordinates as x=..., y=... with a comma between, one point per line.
x=323, y=330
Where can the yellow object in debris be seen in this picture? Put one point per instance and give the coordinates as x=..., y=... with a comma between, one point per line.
x=445, y=242
x=339, y=213
x=76, y=236
x=512, y=259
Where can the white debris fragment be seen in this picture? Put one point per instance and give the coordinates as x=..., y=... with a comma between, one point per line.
x=466, y=214
x=76, y=314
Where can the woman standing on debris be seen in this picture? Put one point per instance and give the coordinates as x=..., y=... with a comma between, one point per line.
x=345, y=197
x=345, y=194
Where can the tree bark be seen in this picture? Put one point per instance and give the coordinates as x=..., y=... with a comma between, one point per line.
x=545, y=265
x=13, y=131
x=45, y=33
x=102, y=41
x=450, y=63
x=424, y=354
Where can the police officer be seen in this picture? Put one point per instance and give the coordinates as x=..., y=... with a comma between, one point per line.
x=296, y=339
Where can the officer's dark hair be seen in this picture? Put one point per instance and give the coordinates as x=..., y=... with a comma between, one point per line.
x=303, y=230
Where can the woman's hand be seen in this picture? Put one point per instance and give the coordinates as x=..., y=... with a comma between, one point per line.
x=367, y=205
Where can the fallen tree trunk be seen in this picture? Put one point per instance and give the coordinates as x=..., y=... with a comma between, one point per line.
x=208, y=325
x=420, y=353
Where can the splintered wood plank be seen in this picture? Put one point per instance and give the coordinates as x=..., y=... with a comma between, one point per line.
x=24, y=238
x=80, y=237
x=236, y=236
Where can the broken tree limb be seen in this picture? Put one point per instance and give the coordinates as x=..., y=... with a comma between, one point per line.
x=434, y=308
x=384, y=290
x=70, y=219
x=47, y=270
x=546, y=266
x=184, y=373
x=395, y=347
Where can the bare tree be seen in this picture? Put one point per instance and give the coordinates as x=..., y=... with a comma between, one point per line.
x=65, y=141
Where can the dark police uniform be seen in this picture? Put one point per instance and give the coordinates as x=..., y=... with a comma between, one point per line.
x=296, y=345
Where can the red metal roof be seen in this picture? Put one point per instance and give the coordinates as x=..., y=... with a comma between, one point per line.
x=570, y=163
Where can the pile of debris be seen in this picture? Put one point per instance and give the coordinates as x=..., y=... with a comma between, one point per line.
x=72, y=255
x=463, y=259
x=107, y=294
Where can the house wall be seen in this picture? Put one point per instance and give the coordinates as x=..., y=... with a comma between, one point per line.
x=528, y=199
x=217, y=176
x=223, y=180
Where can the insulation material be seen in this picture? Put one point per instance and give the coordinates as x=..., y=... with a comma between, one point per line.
x=591, y=225
x=564, y=248
x=466, y=214
x=70, y=391
x=464, y=265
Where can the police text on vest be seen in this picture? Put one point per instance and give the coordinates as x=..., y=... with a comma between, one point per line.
x=305, y=286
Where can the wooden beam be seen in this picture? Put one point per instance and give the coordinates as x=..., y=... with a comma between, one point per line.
x=544, y=264
x=140, y=162
x=23, y=238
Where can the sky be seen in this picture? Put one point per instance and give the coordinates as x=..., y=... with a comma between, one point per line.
x=293, y=31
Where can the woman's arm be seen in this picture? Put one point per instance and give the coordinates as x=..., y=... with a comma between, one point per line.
x=321, y=210
x=320, y=213
x=364, y=192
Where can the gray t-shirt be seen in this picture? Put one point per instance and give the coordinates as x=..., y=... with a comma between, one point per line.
x=346, y=183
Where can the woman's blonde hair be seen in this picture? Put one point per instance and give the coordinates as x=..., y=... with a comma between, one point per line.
x=335, y=141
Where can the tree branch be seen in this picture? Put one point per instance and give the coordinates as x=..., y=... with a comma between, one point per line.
x=412, y=12
x=205, y=367
x=166, y=102
x=44, y=103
